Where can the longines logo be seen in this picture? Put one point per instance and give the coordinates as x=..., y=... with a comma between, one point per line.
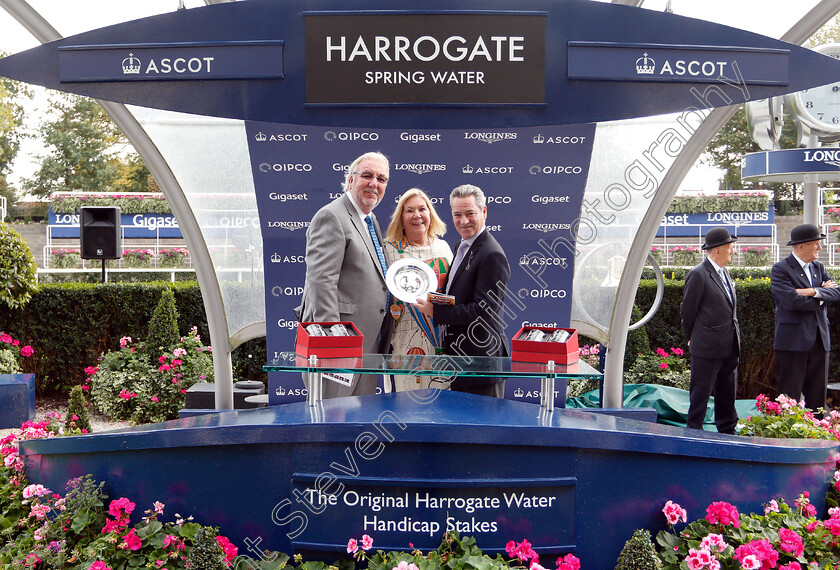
x=557, y=169
x=470, y=169
x=490, y=138
x=546, y=227
x=341, y=136
x=277, y=258
x=291, y=226
x=540, y=260
x=287, y=167
x=525, y=293
x=539, y=139
x=420, y=168
x=280, y=137
x=828, y=156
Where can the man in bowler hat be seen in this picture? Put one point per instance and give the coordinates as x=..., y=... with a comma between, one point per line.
x=710, y=321
x=801, y=288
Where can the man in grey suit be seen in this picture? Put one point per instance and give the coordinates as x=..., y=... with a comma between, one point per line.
x=709, y=316
x=345, y=267
x=801, y=288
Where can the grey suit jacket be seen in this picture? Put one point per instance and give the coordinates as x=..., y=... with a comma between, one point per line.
x=344, y=281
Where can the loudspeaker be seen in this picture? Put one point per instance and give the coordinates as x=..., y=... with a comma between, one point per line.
x=100, y=232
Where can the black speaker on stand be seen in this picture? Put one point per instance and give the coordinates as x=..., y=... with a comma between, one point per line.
x=100, y=233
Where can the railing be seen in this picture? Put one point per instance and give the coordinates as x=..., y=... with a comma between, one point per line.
x=667, y=243
x=171, y=270
x=3, y=210
x=125, y=243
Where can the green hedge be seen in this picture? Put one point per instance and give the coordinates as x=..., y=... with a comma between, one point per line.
x=756, y=314
x=70, y=324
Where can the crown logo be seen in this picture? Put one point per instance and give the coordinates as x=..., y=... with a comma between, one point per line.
x=280, y=391
x=467, y=169
x=276, y=258
x=260, y=136
x=519, y=393
x=539, y=139
x=645, y=65
x=131, y=65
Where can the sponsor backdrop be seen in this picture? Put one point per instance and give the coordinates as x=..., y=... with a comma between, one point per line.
x=741, y=224
x=533, y=178
x=132, y=225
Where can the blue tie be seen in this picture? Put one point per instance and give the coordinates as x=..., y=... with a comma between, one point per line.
x=378, y=247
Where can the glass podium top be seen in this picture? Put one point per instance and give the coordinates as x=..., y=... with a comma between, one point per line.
x=430, y=365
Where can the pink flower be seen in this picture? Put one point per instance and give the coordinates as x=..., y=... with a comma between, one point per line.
x=750, y=562
x=674, y=513
x=792, y=566
x=132, y=541
x=568, y=562
x=154, y=398
x=177, y=362
x=661, y=352
x=714, y=543
x=229, y=549
x=120, y=507
x=791, y=542
x=164, y=368
x=773, y=507
x=27, y=351
x=367, y=542
x=158, y=506
x=663, y=366
x=677, y=351
x=125, y=341
x=162, y=359
x=352, y=546
x=99, y=565
x=403, y=565
x=721, y=512
x=7, y=338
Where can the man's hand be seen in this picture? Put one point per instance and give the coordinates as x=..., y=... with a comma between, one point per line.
x=809, y=292
x=829, y=284
x=426, y=307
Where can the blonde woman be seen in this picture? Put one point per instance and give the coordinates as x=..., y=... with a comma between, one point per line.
x=415, y=232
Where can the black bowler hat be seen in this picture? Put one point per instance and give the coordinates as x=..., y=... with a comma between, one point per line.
x=804, y=234
x=717, y=237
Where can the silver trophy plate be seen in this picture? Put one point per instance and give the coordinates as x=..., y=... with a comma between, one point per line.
x=410, y=279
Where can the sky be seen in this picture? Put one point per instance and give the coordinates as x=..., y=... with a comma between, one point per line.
x=69, y=17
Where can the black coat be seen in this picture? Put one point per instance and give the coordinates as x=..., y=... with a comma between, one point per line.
x=474, y=325
x=709, y=318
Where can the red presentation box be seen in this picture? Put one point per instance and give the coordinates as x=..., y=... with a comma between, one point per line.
x=328, y=346
x=534, y=351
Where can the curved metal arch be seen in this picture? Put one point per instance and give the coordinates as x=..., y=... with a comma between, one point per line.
x=613, y=369
x=217, y=323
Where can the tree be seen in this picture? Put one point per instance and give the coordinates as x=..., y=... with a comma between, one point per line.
x=80, y=138
x=12, y=94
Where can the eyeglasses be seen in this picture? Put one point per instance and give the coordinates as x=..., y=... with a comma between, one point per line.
x=370, y=176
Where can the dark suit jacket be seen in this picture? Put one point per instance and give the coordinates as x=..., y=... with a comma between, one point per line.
x=709, y=318
x=797, y=317
x=474, y=325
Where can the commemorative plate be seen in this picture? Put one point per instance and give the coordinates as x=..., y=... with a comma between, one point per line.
x=410, y=279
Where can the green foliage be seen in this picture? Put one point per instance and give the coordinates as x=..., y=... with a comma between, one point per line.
x=781, y=535
x=67, y=204
x=8, y=362
x=77, y=412
x=80, y=139
x=206, y=554
x=637, y=340
x=639, y=553
x=787, y=418
x=17, y=269
x=65, y=258
x=666, y=368
x=740, y=202
x=11, y=353
x=125, y=386
x=163, y=329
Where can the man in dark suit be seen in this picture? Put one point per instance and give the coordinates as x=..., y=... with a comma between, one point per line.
x=710, y=321
x=478, y=280
x=801, y=287
x=345, y=266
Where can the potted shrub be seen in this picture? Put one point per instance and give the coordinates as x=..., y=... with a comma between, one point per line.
x=756, y=256
x=137, y=257
x=65, y=258
x=685, y=255
x=173, y=257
